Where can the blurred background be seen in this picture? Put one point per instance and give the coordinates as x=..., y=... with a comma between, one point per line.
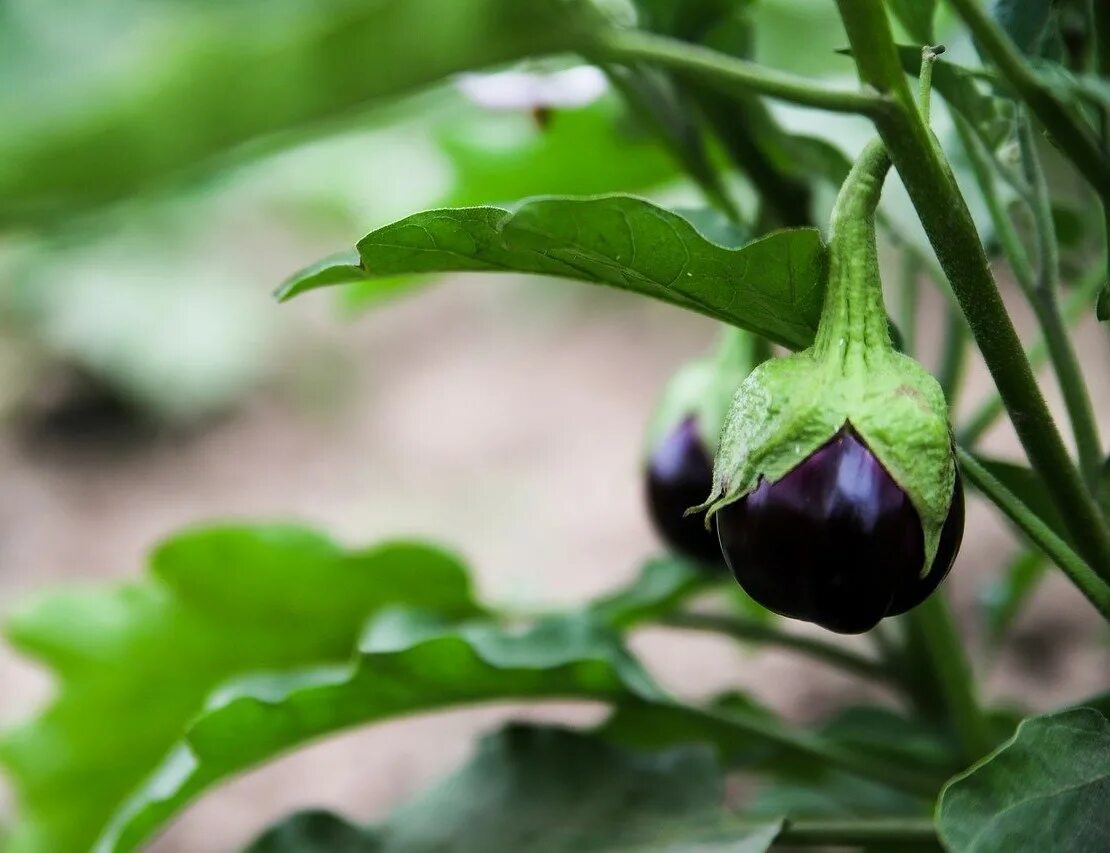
x=149, y=381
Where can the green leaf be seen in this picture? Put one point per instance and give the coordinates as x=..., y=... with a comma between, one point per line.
x=343, y=269
x=917, y=18
x=545, y=788
x=1102, y=306
x=407, y=661
x=217, y=603
x=1047, y=788
x=772, y=286
x=316, y=832
x=507, y=155
x=499, y=157
x=240, y=73
x=645, y=726
x=661, y=586
x=1024, y=482
x=1026, y=22
x=1003, y=599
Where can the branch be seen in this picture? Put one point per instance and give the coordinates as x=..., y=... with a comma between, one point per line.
x=749, y=630
x=729, y=73
x=952, y=233
x=1096, y=589
x=1074, y=138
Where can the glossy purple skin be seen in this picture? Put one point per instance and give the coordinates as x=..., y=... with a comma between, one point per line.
x=836, y=541
x=679, y=476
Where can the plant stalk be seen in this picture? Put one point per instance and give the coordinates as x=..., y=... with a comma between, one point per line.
x=1076, y=307
x=952, y=675
x=730, y=73
x=952, y=233
x=749, y=630
x=1073, y=137
x=1082, y=575
x=1046, y=304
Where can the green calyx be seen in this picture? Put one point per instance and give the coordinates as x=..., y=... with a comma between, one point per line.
x=703, y=390
x=789, y=407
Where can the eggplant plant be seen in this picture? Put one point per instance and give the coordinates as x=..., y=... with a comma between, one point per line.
x=808, y=467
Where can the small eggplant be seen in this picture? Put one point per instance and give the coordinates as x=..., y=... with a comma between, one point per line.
x=835, y=490
x=836, y=541
x=679, y=474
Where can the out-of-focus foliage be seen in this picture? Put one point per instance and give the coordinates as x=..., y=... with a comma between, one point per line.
x=178, y=84
x=134, y=663
x=530, y=788
x=406, y=661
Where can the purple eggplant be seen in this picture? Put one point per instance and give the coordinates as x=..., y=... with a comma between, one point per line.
x=679, y=476
x=836, y=541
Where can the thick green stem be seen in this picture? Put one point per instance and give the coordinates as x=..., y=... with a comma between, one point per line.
x=951, y=230
x=751, y=631
x=729, y=73
x=853, y=319
x=1076, y=307
x=1082, y=575
x=1040, y=287
x=1046, y=304
x=894, y=775
x=952, y=676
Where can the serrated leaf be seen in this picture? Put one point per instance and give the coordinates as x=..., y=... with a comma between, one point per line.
x=1047, y=788
x=241, y=74
x=217, y=603
x=545, y=789
x=772, y=286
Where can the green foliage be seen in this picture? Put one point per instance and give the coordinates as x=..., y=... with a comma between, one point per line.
x=503, y=156
x=661, y=585
x=1027, y=22
x=544, y=789
x=233, y=76
x=772, y=286
x=406, y=661
x=917, y=18
x=134, y=663
x=1045, y=789
x=550, y=157
x=242, y=643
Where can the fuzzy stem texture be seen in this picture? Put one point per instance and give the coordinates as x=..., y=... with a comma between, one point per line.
x=853, y=319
